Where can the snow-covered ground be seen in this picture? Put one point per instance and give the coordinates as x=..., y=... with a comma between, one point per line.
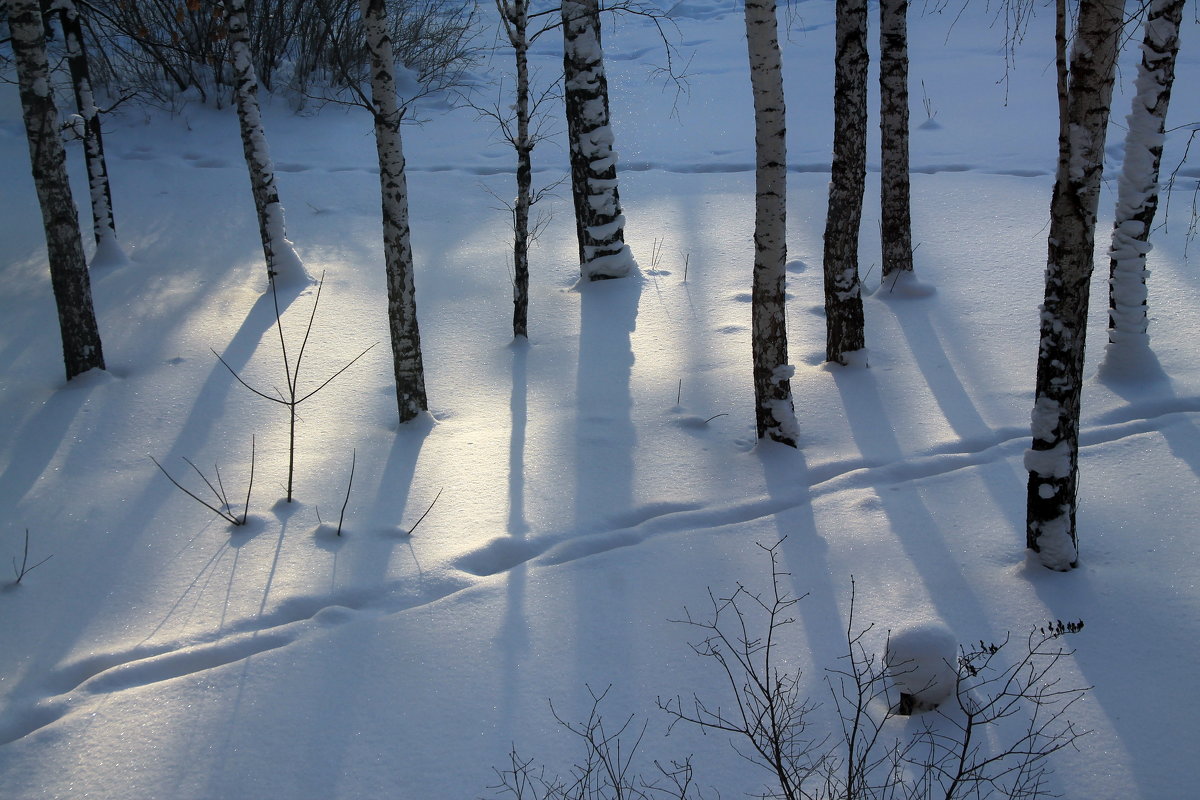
x=594, y=481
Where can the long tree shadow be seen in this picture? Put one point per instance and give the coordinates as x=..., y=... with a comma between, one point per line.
x=917, y=530
x=806, y=552
x=42, y=442
x=518, y=419
x=1134, y=373
x=604, y=435
x=957, y=407
x=514, y=630
x=604, y=432
x=40, y=437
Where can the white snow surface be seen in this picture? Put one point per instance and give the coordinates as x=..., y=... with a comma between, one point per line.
x=594, y=480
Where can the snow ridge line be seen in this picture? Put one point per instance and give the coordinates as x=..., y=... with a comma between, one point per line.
x=555, y=549
x=140, y=672
x=144, y=666
x=680, y=168
x=73, y=685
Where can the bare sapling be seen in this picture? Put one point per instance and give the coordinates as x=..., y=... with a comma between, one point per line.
x=292, y=397
x=25, y=569
x=767, y=711
x=221, y=506
x=991, y=735
x=606, y=771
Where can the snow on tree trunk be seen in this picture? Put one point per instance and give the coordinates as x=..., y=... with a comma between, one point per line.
x=515, y=18
x=397, y=247
x=598, y=220
x=772, y=385
x=895, y=218
x=1053, y=459
x=844, y=324
x=1137, y=188
x=103, y=225
x=284, y=266
x=64, y=245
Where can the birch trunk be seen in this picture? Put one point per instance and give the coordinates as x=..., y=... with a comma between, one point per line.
x=64, y=245
x=844, y=324
x=599, y=223
x=1053, y=460
x=1137, y=188
x=774, y=413
x=514, y=16
x=407, y=362
x=284, y=267
x=104, y=226
x=895, y=214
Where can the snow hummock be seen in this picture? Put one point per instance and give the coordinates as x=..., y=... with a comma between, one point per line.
x=922, y=661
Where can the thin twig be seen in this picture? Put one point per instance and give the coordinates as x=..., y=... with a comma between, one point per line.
x=25, y=560
x=223, y=515
x=418, y=522
x=250, y=485
x=346, y=502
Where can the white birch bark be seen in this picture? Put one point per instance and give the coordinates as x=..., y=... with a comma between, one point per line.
x=844, y=323
x=1053, y=459
x=774, y=412
x=895, y=212
x=104, y=228
x=64, y=246
x=599, y=223
x=1137, y=187
x=284, y=266
x=407, y=362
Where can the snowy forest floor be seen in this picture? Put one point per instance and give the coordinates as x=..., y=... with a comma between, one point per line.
x=594, y=481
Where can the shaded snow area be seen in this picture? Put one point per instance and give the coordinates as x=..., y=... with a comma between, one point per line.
x=594, y=481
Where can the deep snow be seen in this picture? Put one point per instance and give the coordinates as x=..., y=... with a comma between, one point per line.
x=588, y=492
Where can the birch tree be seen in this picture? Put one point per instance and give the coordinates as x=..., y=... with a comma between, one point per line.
x=104, y=227
x=1053, y=460
x=844, y=323
x=521, y=127
x=284, y=266
x=599, y=224
x=514, y=17
x=1137, y=188
x=64, y=245
x=774, y=413
x=895, y=216
x=407, y=362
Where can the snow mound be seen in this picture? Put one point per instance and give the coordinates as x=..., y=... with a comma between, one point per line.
x=921, y=661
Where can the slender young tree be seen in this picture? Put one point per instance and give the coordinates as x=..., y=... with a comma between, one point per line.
x=774, y=412
x=64, y=245
x=284, y=266
x=895, y=215
x=844, y=323
x=407, y=362
x=514, y=17
x=1053, y=460
x=1137, y=189
x=522, y=127
x=599, y=223
x=104, y=226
